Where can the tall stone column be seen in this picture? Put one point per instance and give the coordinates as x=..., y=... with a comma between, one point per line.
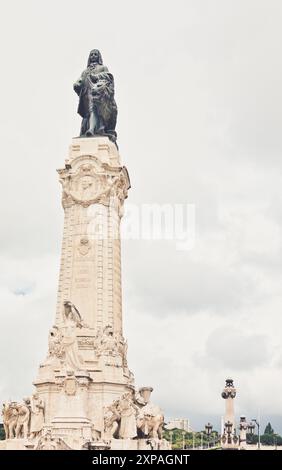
x=229, y=438
x=94, y=188
x=87, y=336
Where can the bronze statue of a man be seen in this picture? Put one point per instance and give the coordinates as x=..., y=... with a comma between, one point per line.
x=97, y=105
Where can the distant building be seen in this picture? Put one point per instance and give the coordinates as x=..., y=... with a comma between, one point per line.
x=178, y=423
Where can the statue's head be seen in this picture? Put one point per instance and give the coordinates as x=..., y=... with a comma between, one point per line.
x=95, y=58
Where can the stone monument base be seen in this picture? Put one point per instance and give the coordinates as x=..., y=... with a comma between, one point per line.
x=14, y=444
x=56, y=443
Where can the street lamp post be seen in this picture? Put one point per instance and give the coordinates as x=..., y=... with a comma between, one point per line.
x=258, y=426
x=208, y=430
x=228, y=427
x=251, y=428
x=201, y=441
x=193, y=434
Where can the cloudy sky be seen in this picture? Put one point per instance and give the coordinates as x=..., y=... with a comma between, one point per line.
x=198, y=86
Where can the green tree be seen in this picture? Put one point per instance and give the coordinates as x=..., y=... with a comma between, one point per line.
x=278, y=439
x=252, y=438
x=267, y=439
x=269, y=429
x=197, y=438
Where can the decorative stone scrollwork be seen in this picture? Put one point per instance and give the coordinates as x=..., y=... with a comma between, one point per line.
x=86, y=187
x=94, y=183
x=84, y=246
x=70, y=384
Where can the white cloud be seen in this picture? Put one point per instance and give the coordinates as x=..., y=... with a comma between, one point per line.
x=235, y=350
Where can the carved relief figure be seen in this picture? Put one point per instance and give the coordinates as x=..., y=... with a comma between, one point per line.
x=111, y=420
x=37, y=415
x=120, y=417
x=128, y=412
x=10, y=418
x=71, y=321
x=134, y=415
x=97, y=105
x=119, y=193
x=23, y=420
x=112, y=346
x=150, y=418
x=107, y=342
x=150, y=422
x=122, y=347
